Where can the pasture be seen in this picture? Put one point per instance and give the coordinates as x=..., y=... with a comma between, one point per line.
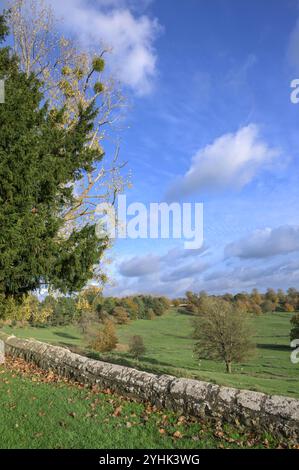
x=169, y=349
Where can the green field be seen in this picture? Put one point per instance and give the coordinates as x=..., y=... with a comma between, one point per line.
x=170, y=350
x=41, y=413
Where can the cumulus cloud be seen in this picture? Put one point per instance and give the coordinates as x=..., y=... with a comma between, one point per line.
x=266, y=243
x=176, y=254
x=231, y=161
x=148, y=285
x=117, y=24
x=214, y=277
x=139, y=266
x=280, y=275
x=186, y=271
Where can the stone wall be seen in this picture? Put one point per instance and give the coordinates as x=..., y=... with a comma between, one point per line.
x=276, y=414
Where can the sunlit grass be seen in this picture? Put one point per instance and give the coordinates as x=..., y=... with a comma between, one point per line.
x=170, y=350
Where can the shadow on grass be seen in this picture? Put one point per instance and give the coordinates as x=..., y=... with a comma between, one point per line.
x=185, y=312
x=145, y=364
x=65, y=335
x=274, y=347
x=71, y=347
x=128, y=361
x=176, y=336
x=271, y=336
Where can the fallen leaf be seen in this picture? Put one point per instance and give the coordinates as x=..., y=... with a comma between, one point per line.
x=117, y=411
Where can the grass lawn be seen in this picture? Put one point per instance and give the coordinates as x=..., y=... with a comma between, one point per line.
x=39, y=410
x=170, y=350
x=62, y=336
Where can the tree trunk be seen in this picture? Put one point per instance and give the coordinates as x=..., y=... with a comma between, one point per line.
x=228, y=367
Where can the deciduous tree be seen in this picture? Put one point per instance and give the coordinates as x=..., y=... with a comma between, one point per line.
x=222, y=332
x=295, y=327
x=136, y=346
x=105, y=339
x=74, y=79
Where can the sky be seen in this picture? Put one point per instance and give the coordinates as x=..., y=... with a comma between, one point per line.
x=210, y=120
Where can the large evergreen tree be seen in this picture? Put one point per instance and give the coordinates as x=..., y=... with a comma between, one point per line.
x=40, y=162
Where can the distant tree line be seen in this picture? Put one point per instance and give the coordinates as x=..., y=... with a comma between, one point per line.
x=253, y=302
x=88, y=306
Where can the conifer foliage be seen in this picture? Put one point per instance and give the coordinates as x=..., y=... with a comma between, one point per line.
x=40, y=163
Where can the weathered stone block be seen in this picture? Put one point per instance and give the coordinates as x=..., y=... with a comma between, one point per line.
x=250, y=400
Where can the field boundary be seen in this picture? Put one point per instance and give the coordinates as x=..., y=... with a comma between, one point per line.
x=278, y=415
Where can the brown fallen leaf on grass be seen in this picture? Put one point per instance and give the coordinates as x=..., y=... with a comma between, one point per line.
x=178, y=435
x=266, y=443
x=181, y=420
x=23, y=368
x=117, y=411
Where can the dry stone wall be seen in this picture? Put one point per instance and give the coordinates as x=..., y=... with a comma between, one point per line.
x=276, y=414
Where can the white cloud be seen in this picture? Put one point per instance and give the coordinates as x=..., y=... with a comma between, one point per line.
x=186, y=271
x=170, y=274
x=231, y=161
x=148, y=285
x=178, y=254
x=139, y=266
x=115, y=23
x=266, y=243
x=278, y=276
x=163, y=275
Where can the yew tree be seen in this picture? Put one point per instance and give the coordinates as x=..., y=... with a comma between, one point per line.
x=41, y=161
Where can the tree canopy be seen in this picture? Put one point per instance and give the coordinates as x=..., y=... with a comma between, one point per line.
x=223, y=332
x=41, y=161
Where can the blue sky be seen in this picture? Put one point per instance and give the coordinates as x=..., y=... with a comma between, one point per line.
x=210, y=121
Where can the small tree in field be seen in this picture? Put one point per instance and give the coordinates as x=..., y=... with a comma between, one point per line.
x=222, y=332
x=87, y=316
x=288, y=307
x=268, y=306
x=150, y=314
x=121, y=315
x=105, y=339
x=295, y=327
x=136, y=347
